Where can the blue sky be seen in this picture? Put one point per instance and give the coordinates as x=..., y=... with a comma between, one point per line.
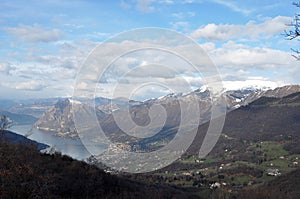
x=44, y=43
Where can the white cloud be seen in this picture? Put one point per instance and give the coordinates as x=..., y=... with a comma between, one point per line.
x=53, y=68
x=182, y=15
x=208, y=46
x=125, y=5
x=58, y=72
x=238, y=75
x=35, y=33
x=234, y=7
x=32, y=85
x=293, y=73
x=144, y=5
x=238, y=63
x=68, y=62
x=143, y=66
x=180, y=25
x=5, y=68
x=238, y=56
x=166, y=1
x=188, y=1
x=252, y=30
x=252, y=82
x=216, y=32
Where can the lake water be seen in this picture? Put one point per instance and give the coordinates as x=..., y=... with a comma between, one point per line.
x=68, y=146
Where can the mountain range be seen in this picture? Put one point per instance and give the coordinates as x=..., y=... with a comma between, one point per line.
x=265, y=119
x=59, y=117
x=256, y=155
x=56, y=114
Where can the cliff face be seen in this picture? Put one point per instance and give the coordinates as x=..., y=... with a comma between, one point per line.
x=58, y=119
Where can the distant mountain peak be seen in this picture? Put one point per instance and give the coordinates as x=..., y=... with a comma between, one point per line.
x=251, y=84
x=62, y=104
x=175, y=95
x=59, y=117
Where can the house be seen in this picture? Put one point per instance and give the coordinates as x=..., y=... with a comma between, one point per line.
x=273, y=172
x=215, y=185
x=295, y=164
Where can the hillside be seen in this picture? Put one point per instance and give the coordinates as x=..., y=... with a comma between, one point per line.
x=26, y=173
x=283, y=187
x=259, y=143
x=259, y=138
x=266, y=119
x=256, y=156
x=13, y=138
x=19, y=119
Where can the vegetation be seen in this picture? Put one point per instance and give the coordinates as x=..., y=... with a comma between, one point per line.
x=253, y=158
x=26, y=173
x=285, y=186
x=256, y=147
x=295, y=32
x=5, y=122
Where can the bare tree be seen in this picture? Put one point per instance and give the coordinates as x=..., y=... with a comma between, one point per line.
x=295, y=32
x=5, y=123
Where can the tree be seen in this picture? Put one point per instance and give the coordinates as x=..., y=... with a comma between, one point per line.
x=295, y=32
x=5, y=123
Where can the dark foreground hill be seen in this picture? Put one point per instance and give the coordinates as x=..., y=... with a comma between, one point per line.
x=283, y=187
x=13, y=138
x=26, y=173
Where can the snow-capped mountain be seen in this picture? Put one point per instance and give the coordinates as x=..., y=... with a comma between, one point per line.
x=59, y=117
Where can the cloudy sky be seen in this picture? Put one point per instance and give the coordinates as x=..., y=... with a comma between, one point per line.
x=44, y=43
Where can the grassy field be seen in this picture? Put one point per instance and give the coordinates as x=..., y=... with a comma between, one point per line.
x=235, y=174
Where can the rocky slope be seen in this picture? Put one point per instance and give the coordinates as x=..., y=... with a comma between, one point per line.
x=59, y=117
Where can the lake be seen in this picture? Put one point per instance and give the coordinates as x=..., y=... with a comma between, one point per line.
x=68, y=146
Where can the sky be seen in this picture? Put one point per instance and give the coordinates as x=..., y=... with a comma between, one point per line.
x=44, y=44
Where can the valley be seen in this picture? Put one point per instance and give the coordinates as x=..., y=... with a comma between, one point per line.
x=258, y=144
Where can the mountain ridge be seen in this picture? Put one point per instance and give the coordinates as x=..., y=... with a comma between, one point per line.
x=15, y=139
x=56, y=119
